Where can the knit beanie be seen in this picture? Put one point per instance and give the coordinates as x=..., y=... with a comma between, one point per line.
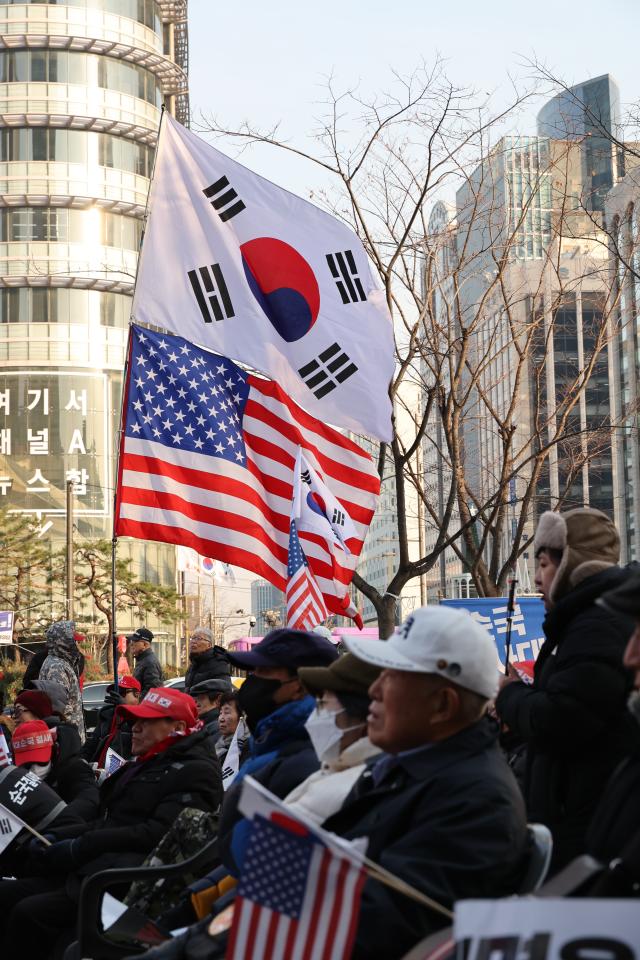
x=586, y=538
x=36, y=702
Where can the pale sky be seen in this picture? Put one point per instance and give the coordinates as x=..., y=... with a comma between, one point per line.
x=267, y=61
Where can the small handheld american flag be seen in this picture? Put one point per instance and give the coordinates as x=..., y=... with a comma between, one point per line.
x=305, y=606
x=296, y=898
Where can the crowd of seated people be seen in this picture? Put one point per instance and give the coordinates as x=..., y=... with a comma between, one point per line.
x=395, y=744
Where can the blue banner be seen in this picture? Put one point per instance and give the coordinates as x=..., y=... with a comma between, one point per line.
x=526, y=628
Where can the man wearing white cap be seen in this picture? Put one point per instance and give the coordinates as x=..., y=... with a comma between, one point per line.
x=440, y=808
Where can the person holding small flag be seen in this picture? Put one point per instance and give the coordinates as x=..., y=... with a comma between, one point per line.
x=440, y=808
x=37, y=748
x=173, y=767
x=112, y=729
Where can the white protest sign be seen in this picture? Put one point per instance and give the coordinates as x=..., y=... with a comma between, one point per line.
x=547, y=929
x=10, y=827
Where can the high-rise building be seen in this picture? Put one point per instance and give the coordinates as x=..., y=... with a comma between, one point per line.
x=588, y=113
x=532, y=211
x=622, y=211
x=268, y=606
x=81, y=90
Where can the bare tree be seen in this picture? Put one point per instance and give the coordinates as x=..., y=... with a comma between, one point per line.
x=92, y=576
x=476, y=315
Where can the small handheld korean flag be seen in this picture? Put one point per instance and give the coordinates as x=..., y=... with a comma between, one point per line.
x=231, y=762
x=316, y=509
x=5, y=756
x=10, y=827
x=235, y=263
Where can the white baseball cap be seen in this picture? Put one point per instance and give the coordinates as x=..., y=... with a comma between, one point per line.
x=439, y=640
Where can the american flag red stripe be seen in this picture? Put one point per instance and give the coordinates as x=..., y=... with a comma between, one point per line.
x=305, y=607
x=234, y=511
x=314, y=918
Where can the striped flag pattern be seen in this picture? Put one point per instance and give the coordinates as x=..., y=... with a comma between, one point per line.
x=207, y=460
x=297, y=900
x=305, y=606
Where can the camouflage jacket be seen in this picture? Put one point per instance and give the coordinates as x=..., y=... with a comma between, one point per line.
x=54, y=668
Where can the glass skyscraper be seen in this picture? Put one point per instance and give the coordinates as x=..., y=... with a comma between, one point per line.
x=589, y=112
x=82, y=84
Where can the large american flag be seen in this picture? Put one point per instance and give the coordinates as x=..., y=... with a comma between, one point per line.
x=207, y=460
x=305, y=606
x=296, y=899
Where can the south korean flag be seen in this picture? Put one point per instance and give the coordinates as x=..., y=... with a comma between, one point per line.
x=234, y=263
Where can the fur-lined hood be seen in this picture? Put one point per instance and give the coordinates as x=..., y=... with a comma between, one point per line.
x=587, y=540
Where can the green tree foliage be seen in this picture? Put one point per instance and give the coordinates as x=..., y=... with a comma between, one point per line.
x=25, y=561
x=92, y=579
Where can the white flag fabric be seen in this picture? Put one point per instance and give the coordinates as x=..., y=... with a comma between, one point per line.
x=321, y=518
x=112, y=761
x=189, y=560
x=10, y=827
x=317, y=510
x=231, y=762
x=232, y=262
x=5, y=755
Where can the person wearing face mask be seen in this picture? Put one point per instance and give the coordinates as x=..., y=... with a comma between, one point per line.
x=277, y=707
x=573, y=718
x=338, y=731
x=36, y=747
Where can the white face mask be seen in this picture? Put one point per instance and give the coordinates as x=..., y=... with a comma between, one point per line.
x=325, y=734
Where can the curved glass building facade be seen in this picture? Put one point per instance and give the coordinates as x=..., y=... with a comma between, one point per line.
x=82, y=85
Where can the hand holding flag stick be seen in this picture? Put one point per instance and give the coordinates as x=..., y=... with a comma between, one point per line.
x=510, y=612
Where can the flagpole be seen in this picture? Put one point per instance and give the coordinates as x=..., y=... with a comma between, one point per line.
x=120, y=434
x=114, y=538
x=26, y=826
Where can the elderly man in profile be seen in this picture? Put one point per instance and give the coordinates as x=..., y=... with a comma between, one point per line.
x=206, y=660
x=440, y=808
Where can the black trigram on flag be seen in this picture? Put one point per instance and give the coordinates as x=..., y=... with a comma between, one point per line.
x=224, y=199
x=338, y=518
x=305, y=476
x=345, y=273
x=211, y=292
x=331, y=368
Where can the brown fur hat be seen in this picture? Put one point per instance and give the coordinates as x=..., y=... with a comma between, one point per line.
x=587, y=540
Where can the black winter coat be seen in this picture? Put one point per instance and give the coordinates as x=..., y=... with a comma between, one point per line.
x=121, y=742
x=617, y=817
x=70, y=776
x=148, y=671
x=210, y=720
x=449, y=820
x=140, y=801
x=574, y=716
x=210, y=665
